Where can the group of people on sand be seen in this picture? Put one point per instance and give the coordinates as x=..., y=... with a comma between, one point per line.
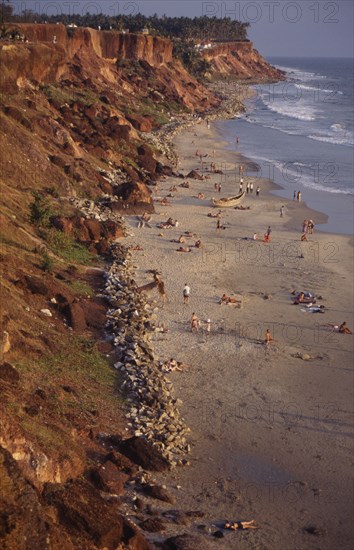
x=301, y=298
x=249, y=187
x=195, y=324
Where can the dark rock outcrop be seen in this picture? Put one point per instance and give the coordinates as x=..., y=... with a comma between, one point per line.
x=143, y=453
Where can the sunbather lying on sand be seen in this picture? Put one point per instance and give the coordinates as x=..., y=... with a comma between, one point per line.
x=313, y=309
x=228, y=300
x=180, y=239
x=304, y=298
x=185, y=185
x=184, y=249
x=165, y=202
x=200, y=196
x=343, y=329
x=211, y=215
x=241, y=525
x=168, y=224
x=135, y=247
x=173, y=365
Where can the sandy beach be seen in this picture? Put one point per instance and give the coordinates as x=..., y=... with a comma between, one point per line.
x=271, y=426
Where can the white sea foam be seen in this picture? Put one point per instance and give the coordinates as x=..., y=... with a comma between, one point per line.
x=297, y=110
x=346, y=141
x=302, y=75
x=318, y=89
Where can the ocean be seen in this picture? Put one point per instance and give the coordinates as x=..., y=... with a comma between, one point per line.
x=300, y=133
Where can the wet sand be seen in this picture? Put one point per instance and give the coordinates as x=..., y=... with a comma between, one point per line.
x=271, y=433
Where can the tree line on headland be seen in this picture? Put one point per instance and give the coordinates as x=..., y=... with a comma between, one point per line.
x=189, y=35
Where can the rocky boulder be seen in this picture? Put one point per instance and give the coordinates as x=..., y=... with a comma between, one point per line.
x=141, y=452
x=90, y=518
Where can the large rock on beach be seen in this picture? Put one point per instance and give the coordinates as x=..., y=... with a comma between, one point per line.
x=143, y=453
x=89, y=517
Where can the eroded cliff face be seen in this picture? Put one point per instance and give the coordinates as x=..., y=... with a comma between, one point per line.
x=51, y=48
x=75, y=105
x=240, y=60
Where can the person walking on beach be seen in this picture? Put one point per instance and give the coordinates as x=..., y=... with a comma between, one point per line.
x=219, y=188
x=194, y=323
x=247, y=187
x=251, y=187
x=268, y=231
x=294, y=196
x=305, y=224
x=241, y=186
x=310, y=226
x=299, y=196
x=218, y=226
x=186, y=294
x=258, y=190
x=282, y=208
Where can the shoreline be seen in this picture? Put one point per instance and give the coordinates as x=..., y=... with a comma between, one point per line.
x=323, y=218
x=237, y=427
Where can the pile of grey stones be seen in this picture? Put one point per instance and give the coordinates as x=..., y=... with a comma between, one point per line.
x=152, y=410
x=100, y=211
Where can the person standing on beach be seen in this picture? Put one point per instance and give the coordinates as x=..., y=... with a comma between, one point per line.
x=294, y=196
x=310, y=226
x=258, y=190
x=186, y=294
x=299, y=196
x=218, y=226
x=219, y=188
x=247, y=187
x=251, y=187
x=305, y=224
x=268, y=337
x=194, y=323
x=282, y=208
x=268, y=231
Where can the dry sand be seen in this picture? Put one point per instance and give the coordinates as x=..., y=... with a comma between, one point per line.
x=271, y=434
